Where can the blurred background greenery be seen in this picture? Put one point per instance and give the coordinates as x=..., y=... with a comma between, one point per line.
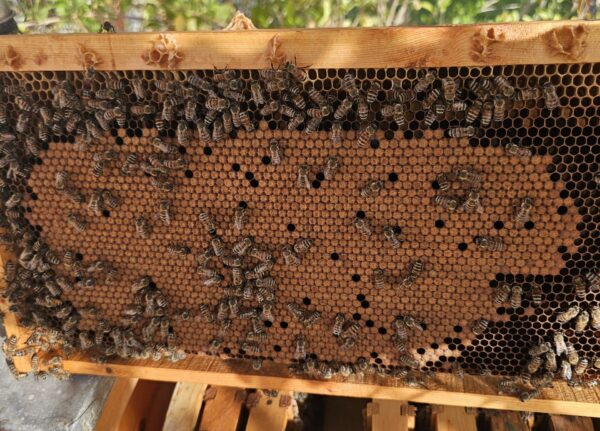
x=39, y=16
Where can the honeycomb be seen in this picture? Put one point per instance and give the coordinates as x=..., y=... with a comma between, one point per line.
x=559, y=242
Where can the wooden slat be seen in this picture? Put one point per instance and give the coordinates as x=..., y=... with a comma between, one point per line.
x=184, y=407
x=454, y=419
x=570, y=423
x=507, y=421
x=215, y=372
x=387, y=415
x=517, y=43
x=115, y=404
x=222, y=413
x=147, y=406
x=268, y=415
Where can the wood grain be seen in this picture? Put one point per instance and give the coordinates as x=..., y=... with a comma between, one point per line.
x=116, y=403
x=184, y=407
x=507, y=421
x=386, y=416
x=147, y=406
x=234, y=374
x=454, y=419
x=221, y=413
x=268, y=415
x=570, y=423
x=470, y=45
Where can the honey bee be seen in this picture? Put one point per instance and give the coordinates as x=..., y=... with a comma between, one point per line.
x=529, y=394
x=110, y=199
x=215, y=103
x=343, y=108
x=489, y=243
x=142, y=228
x=373, y=92
x=425, y=82
x=363, y=108
x=239, y=218
x=449, y=203
x=504, y=86
x=536, y=295
x=408, y=360
x=371, y=189
x=472, y=203
x=431, y=98
x=572, y=355
x=295, y=121
x=566, y=371
x=399, y=115
x=164, y=212
x=593, y=278
x=429, y=118
x=227, y=122
x=218, y=246
x=290, y=257
x=320, y=112
x=486, y=113
x=499, y=108
x=296, y=72
x=270, y=108
x=331, y=167
x=516, y=294
x=316, y=96
x=302, y=245
x=579, y=287
x=338, y=324
x=517, y=150
x=522, y=210
x=581, y=322
x=246, y=122
x=13, y=370
x=473, y=111
x=77, y=222
x=479, y=326
x=539, y=350
x=349, y=84
x=534, y=364
x=449, y=87
x=335, y=136
x=302, y=180
x=581, y=366
x=379, y=278
x=529, y=93
x=275, y=151
x=461, y=132
x=310, y=318
x=568, y=315
x=398, y=343
x=389, y=232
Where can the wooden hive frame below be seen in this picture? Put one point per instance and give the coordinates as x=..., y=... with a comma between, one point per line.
x=472, y=46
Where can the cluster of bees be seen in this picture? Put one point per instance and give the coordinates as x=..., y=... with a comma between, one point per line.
x=208, y=110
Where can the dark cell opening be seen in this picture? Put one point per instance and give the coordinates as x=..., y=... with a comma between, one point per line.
x=435, y=185
x=360, y=297
x=356, y=278
x=458, y=328
x=306, y=301
x=393, y=177
x=439, y=224
x=356, y=316
x=283, y=325
x=498, y=224
x=374, y=143
x=562, y=210
x=235, y=167
x=207, y=151
x=249, y=176
x=266, y=160
x=316, y=184
x=369, y=323
x=189, y=174
x=119, y=141
x=374, y=355
x=268, y=323
x=291, y=227
x=382, y=330
x=421, y=351
x=529, y=225
x=360, y=214
x=105, y=213
x=182, y=150
x=320, y=176
x=277, y=348
x=79, y=256
x=254, y=183
x=335, y=256
x=462, y=246
x=364, y=304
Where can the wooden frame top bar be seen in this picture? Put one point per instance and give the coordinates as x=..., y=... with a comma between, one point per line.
x=471, y=45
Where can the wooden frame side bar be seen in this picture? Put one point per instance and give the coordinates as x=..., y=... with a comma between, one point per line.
x=471, y=45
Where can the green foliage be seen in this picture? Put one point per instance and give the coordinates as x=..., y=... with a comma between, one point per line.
x=36, y=16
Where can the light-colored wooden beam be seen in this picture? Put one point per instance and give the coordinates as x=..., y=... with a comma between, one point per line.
x=388, y=415
x=215, y=372
x=115, y=404
x=517, y=43
x=221, y=413
x=184, y=407
x=451, y=418
x=268, y=414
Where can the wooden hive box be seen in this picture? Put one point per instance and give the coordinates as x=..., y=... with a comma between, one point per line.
x=410, y=156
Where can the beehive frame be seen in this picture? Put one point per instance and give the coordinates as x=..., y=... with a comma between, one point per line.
x=473, y=46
